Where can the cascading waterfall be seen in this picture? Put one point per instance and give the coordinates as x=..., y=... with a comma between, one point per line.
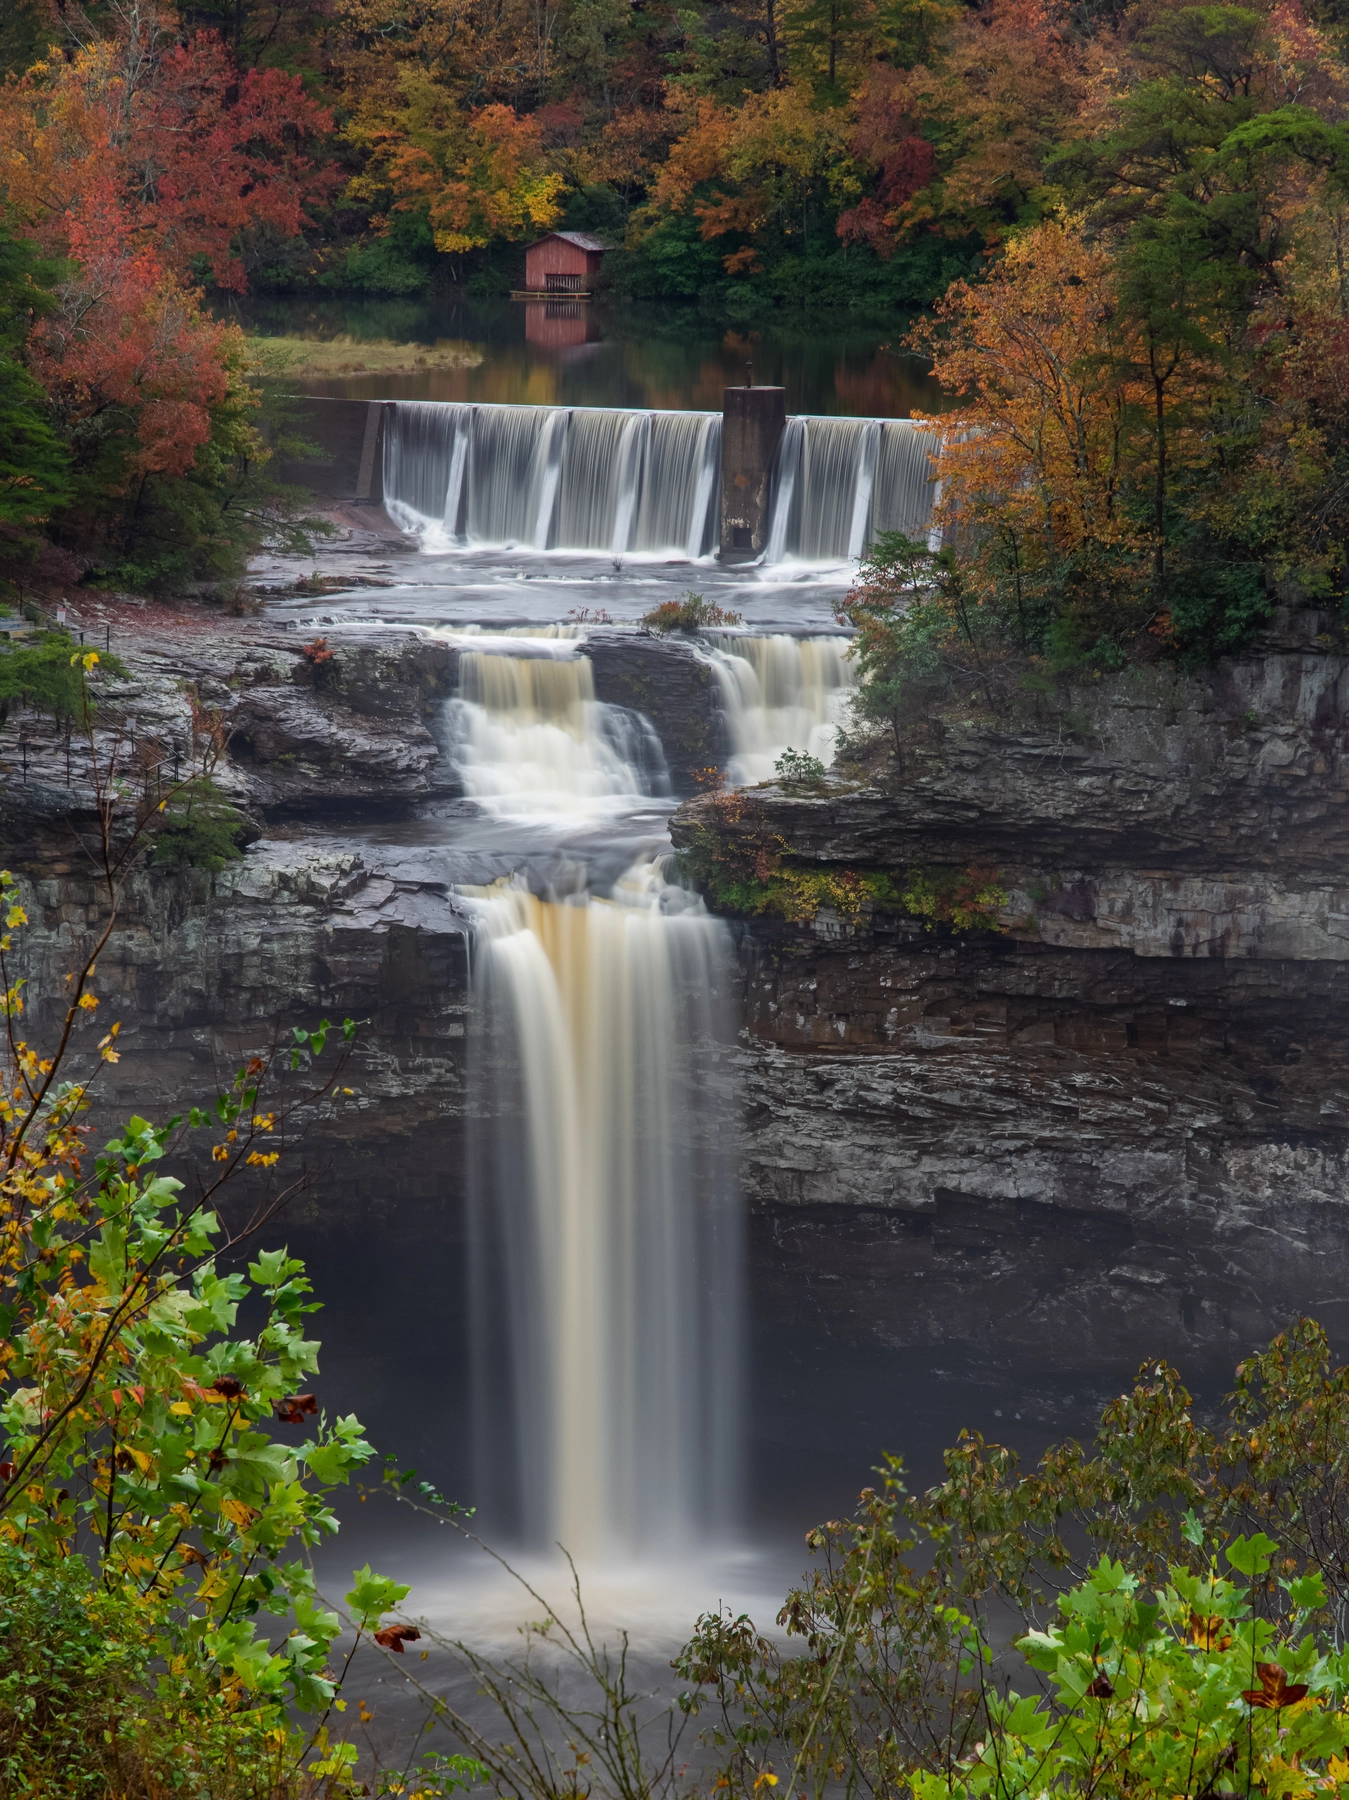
x=780, y=693
x=605, y=1233
x=528, y=738
x=554, y=478
x=840, y=482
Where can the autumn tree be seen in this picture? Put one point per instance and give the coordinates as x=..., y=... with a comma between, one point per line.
x=198, y=155
x=1037, y=462
x=958, y=143
x=34, y=462
x=755, y=176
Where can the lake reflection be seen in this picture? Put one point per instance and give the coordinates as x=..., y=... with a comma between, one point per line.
x=602, y=353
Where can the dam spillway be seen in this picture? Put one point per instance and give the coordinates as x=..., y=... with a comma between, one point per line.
x=600, y=480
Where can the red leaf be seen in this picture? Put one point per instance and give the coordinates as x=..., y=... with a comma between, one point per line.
x=393, y=1637
x=292, y=1410
x=1275, y=1689
x=228, y=1385
x=6, y=1471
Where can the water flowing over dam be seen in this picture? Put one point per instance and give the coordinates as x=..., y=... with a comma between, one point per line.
x=605, y=1228
x=840, y=482
x=643, y=483
x=555, y=478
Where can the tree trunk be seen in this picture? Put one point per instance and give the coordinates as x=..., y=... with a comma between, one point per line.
x=770, y=38
x=1159, y=501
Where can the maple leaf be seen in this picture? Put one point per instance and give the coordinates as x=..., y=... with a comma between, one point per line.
x=1275, y=1688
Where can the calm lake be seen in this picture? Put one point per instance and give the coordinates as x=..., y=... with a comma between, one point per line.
x=600, y=353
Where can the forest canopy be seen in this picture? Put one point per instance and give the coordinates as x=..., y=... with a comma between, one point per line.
x=1124, y=219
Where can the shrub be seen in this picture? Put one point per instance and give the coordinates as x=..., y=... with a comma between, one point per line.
x=897, y=1679
x=1189, y=1692
x=200, y=829
x=48, y=673
x=795, y=769
x=692, y=613
x=965, y=899
x=159, y=1468
x=86, y=1712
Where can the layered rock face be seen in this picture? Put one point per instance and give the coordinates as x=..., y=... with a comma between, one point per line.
x=1118, y=1125
x=321, y=742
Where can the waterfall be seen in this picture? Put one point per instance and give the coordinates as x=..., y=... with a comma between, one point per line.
x=839, y=482
x=554, y=478
x=528, y=738
x=605, y=1238
x=604, y=1225
x=643, y=483
x=780, y=693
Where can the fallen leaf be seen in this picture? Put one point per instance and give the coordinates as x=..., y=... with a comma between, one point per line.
x=393, y=1637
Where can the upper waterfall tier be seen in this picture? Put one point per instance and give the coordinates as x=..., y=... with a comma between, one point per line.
x=840, y=482
x=644, y=483
x=555, y=478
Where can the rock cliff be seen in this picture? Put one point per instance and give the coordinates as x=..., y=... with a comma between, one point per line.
x=1115, y=1124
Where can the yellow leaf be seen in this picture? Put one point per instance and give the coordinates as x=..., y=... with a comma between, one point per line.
x=238, y=1513
x=181, y=1406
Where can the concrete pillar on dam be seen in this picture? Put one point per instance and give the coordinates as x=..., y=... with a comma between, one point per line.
x=753, y=420
x=350, y=435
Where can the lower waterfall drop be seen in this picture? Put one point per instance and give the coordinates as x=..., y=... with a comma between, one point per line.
x=781, y=693
x=605, y=1227
x=528, y=737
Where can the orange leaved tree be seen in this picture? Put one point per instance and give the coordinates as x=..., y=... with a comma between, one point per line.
x=1047, y=466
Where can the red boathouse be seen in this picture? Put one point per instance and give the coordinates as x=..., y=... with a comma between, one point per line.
x=564, y=262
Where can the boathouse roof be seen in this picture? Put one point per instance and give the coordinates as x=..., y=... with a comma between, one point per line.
x=583, y=240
